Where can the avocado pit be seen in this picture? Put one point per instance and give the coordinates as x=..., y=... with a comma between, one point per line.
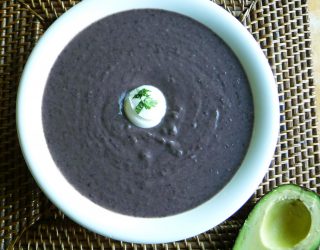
x=286, y=223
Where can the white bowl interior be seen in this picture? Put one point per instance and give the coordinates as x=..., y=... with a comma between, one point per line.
x=134, y=229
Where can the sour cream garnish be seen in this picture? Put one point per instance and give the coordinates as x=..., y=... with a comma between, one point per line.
x=145, y=106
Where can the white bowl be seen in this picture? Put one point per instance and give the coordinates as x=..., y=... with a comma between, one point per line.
x=134, y=229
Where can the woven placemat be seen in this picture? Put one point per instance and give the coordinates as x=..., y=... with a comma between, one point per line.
x=29, y=221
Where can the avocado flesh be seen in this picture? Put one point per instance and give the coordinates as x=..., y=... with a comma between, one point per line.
x=286, y=218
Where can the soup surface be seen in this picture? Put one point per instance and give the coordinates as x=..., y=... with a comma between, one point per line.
x=161, y=171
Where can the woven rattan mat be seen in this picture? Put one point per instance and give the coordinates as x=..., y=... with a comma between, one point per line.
x=29, y=221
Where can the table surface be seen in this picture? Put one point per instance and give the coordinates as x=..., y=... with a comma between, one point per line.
x=314, y=8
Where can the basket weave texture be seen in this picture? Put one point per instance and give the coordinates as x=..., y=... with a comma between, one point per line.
x=281, y=27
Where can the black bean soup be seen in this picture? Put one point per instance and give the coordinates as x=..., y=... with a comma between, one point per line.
x=161, y=171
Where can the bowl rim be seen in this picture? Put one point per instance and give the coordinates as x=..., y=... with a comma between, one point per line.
x=136, y=229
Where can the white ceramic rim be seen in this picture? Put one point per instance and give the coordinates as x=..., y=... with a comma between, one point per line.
x=134, y=229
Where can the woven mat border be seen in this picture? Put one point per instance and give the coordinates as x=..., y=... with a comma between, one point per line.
x=29, y=221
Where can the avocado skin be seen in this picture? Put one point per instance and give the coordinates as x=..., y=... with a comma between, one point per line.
x=246, y=239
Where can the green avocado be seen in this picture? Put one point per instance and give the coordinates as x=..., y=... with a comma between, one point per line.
x=286, y=218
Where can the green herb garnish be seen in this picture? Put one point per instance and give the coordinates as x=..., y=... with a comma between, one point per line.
x=145, y=100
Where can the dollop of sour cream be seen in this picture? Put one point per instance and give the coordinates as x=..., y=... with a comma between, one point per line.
x=145, y=106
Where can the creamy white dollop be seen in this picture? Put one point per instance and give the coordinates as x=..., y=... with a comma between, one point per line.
x=147, y=109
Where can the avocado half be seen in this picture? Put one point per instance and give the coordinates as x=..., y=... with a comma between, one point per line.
x=286, y=218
